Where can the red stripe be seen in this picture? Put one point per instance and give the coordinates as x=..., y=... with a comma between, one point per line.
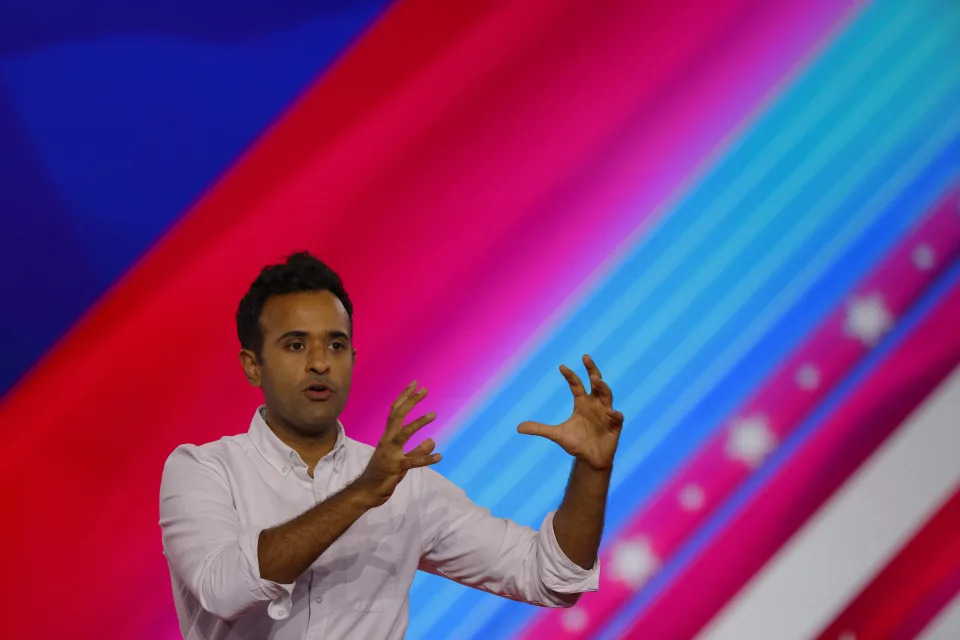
x=929, y=607
x=910, y=590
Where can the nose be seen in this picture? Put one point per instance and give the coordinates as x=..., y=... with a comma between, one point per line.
x=317, y=361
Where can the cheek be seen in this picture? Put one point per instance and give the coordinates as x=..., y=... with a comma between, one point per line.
x=279, y=379
x=345, y=374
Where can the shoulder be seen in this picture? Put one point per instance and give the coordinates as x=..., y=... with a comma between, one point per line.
x=210, y=456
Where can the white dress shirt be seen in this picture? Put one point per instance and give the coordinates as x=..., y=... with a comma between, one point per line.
x=216, y=498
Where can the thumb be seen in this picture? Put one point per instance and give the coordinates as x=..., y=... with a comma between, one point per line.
x=537, y=429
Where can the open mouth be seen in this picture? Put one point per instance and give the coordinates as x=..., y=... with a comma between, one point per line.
x=318, y=392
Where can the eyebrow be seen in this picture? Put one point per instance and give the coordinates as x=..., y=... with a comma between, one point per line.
x=297, y=333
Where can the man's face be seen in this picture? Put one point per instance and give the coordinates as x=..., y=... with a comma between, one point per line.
x=306, y=363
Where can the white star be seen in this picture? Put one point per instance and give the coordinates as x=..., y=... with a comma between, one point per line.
x=808, y=377
x=867, y=319
x=692, y=497
x=574, y=620
x=924, y=257
x=750, y=440
x=634, y=562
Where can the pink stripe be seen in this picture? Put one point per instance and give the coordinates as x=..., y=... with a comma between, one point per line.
x=772, y=413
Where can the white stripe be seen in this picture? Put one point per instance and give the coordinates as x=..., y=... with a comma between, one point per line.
x=852, y=537
x=946, y=626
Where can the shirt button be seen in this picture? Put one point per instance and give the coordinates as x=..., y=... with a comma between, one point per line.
x=318, y=599
x=283, y=469
x=281, y=613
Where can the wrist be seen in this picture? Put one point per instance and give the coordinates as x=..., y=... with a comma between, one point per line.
x=585, y=466
x=359, y=496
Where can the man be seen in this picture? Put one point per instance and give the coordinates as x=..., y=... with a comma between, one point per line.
x=293, y=530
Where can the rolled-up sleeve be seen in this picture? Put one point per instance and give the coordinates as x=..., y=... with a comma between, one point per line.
x=204, y=541
x=465, y=543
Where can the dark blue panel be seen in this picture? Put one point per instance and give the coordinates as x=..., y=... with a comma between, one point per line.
x=115, y=117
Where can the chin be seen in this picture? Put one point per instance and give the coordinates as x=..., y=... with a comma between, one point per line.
x=320, y=417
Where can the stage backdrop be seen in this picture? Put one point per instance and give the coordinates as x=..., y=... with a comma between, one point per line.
x=747, y=211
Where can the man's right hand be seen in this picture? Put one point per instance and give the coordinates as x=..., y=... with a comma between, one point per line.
x=389, y=464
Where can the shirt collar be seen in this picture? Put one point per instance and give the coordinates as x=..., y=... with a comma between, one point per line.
x=280, y=456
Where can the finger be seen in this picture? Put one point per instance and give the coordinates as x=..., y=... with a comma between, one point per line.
x=616, y=417
x=402, y=398
x=410, y=388
x=423, y=461
x=403, y=404
x=576, y=386
x=412, y=401
x=404, y=434
x=425, y=448
x=537, y=429
x=591, y=366
x=601, y=390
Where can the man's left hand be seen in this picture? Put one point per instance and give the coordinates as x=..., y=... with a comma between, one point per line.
x=592, y=432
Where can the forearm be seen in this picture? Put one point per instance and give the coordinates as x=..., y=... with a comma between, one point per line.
x=287, y=550
x=578, y=522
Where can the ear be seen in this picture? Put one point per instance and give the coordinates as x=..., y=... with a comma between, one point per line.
x=354, y=354
x=251, y=366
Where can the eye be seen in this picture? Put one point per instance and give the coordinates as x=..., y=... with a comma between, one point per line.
x=337, y=346
x=295, y=346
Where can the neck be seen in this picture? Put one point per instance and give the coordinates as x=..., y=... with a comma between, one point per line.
x=310, y=446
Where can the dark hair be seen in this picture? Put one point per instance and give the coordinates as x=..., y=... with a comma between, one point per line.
x=299, y=272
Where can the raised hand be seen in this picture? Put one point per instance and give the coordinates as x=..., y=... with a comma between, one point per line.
x=592, y=432
x=389, y=464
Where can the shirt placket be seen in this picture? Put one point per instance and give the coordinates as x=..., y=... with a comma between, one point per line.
x=324, y=484
x=295, y=471
x=317, y=626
